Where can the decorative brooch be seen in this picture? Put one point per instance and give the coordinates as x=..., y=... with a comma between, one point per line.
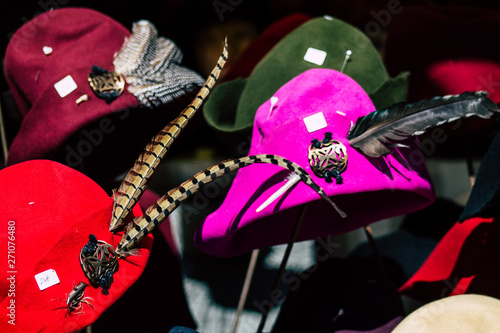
x=99, y=262
x=328, y=158
x=106, y=85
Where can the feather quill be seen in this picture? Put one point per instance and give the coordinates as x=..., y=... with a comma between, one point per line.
x=137, y=178
x=374, y=133
x=156, y=214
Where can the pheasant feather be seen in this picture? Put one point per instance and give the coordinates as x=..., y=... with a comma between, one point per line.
x=143, y=225
x=374, y=133
x=151, y=67
x=137, y=178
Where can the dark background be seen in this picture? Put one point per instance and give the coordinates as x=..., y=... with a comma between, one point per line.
x=198, y=28
x=192, y=24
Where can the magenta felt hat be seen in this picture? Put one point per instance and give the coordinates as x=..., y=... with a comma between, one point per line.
x=315, y=102
x=65, y=69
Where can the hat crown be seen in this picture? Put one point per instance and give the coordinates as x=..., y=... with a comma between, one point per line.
x=317, y=90
x=79, y=38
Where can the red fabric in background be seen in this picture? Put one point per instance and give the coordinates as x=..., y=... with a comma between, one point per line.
x=463, y=262
x=446, y=49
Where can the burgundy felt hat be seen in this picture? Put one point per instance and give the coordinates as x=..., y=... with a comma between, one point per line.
x=85, y=86
x=317, y=106
x=50, y=214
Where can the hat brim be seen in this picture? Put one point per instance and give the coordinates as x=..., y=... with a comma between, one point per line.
x=54, y=209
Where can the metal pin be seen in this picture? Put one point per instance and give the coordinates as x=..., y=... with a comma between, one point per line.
x=82, y=98
x=340, y=313
x=292, y=179
x=346, y=59
x=274, y=100
x=47, y=50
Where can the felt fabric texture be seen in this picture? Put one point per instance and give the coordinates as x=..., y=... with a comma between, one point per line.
x=461, y=263
x=231, y=107
x=48, y=119
x=484, y=199
x=53, y=210
x=161, y=280
x=461, y=313
x=340, y=295
x=372, y=189
x=259, y=47
x=446, y=49
x=57, y=128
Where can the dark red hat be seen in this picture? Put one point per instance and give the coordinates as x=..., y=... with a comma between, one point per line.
x=463, y=262
x=65, y=70
x=48, y=213
x=447, y=50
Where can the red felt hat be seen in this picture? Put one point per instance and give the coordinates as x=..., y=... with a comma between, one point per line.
x=447, y=50
x=48, y=213
x=85, y=85
x=463, y=262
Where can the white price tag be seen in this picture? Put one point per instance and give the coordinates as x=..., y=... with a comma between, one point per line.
x=65, y=86
x=315, y=122
x=47, y=279
x=315, y=56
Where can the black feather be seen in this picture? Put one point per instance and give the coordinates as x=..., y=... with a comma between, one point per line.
x=372, y=134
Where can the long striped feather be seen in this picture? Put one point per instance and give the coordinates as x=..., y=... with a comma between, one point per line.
x=137, y=178
x=156, y=214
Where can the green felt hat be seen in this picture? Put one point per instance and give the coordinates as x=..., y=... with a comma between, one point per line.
x=321, y=42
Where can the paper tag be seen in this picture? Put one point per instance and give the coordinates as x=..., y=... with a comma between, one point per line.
x=47, y=279
x=315, y=56
x=65, y=86
x=47, y=50
x=315, y=122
